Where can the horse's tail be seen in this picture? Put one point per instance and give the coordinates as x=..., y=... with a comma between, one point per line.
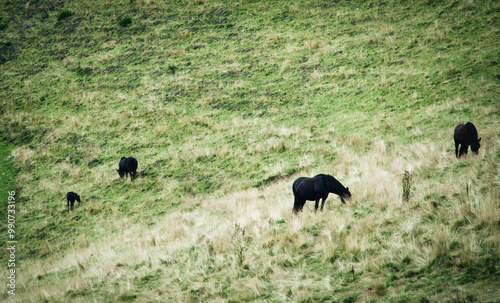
x=297, y=205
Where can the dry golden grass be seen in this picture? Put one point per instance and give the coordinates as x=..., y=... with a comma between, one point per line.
x=226, y=228
x=311, y=45
x=275, y=37
x=290, y=49
x=23, y=155
x=316, y=76
x=285, y=65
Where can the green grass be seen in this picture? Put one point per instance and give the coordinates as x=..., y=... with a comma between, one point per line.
x=224, y=104
x=7, y=171
x=7, y=185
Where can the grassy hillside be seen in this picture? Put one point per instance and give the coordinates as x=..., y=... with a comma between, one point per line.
x=224, y=104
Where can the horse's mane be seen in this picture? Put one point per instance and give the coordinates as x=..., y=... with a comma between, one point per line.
x=333, y=181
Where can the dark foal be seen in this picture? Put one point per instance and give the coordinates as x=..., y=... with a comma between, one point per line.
x=465, y=135
x=71, y=197
x=316, y=188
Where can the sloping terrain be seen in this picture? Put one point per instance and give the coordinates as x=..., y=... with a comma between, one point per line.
x=224, y=104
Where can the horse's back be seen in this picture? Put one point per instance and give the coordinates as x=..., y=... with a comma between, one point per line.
x=72, y=196
x=311, y=184
x=128, y=164
x=465, y=132
x=471, y=130
x=132, y=163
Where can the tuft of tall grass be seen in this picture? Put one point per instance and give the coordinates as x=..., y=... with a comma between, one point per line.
x=406, y=183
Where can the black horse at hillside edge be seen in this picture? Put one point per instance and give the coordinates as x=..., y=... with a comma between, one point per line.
x=465, y=135
x=316, y=188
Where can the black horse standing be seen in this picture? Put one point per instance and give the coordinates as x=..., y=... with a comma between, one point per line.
x=71, y=197
x=126, y=166
x=465, y=135
x=316, y=188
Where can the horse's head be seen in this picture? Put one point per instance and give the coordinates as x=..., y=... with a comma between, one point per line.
x=77, y=198
x=346, y=195
x=475, y=146
x=121, y=173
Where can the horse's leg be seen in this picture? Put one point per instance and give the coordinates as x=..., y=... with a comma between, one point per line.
x=456, y=149
x=323, y=203
x=68, y=204
x=463, y=150
x=316, y=205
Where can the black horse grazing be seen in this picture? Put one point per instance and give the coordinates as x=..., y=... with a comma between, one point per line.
x=126, y=166
x=316, y=188
x=465, y=135
x=71, y=197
